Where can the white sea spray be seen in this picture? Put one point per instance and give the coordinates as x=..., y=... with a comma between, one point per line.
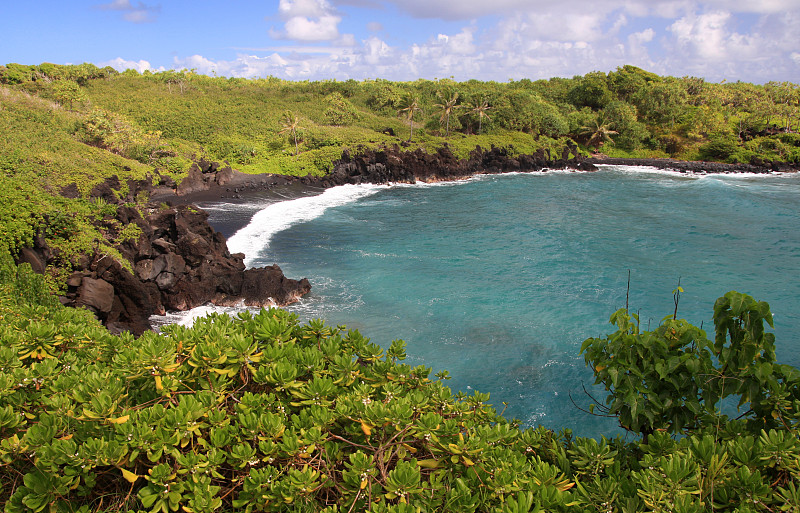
x=255, y=237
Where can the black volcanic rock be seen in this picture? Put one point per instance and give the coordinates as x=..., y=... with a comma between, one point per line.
x=177, y=263
x=392, y=164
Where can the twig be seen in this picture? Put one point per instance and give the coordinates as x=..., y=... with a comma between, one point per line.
x=600, y=406
x=676, y=297
x=628, y=290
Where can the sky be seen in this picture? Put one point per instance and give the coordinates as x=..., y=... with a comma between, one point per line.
x=749, y=40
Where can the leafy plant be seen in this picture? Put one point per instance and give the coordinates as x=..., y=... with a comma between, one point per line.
x=407, y=108
x=260, y=413
x=674, y=378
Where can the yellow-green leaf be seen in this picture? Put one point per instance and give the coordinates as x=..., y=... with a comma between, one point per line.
x=129, y=476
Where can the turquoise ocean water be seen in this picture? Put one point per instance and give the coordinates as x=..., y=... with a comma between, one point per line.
x=499, y=279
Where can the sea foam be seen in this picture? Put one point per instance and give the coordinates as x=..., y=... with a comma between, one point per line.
x=255, y=237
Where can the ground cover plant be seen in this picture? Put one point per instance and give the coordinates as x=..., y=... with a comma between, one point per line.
x=261, y=413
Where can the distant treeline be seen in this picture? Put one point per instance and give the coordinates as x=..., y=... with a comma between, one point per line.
x=626, y=112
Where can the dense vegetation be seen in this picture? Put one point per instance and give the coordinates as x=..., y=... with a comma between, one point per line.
x=262, y=413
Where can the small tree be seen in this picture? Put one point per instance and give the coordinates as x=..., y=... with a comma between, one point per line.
x=68, y=92
x=673, y=378
x=408, y=107
x=340, y=111
x=598, y=133
x=446, y=109
x=291, y=124
x=479, y=109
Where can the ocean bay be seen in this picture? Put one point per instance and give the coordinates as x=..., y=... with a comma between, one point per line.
x=499, y=279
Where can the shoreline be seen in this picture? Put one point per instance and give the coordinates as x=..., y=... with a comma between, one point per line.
x=211, y=187
x=228, y=215
x=699, y=166
x=247, y=204
x=255, y=198
x=240, y=188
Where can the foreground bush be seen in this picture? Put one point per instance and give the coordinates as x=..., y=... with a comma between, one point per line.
x=261, y=413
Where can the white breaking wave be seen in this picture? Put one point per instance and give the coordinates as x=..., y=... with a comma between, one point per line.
x=188, y=317
x=254, y=238
x=734, y=175
x=648, y=170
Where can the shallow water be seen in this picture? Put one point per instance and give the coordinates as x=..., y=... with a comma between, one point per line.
x=499, y=279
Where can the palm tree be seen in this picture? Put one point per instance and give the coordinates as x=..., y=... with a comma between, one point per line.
x=599, y=133
x=408, y=106
x=447, y=107
x=291, y=124
x=480, y=109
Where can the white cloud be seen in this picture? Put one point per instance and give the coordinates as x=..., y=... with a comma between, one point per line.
x=534, y=39
x=139, y=13
x=471, y=9
x=710, y=45
x=121, y=64
x=636, y=51
x=324, y=28
x=303, y=8
x=308, y=20
x=294, y=66
x=459, y=44
x=706, y=34
x=376, y=51
x=644, y=36
x=197, y=62
x=555, y=26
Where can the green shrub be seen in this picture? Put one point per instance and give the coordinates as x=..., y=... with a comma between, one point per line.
x=384, y=96
x=232, y=149
x=119, y=135
x=260, y=413
x=673, y=378
x=317, y=139
x=719, y=149
x=339, y=110
x=16, y=73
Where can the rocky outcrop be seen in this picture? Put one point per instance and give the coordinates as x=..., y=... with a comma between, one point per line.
x=392, y=165
x=220, y=180
x=177, y=263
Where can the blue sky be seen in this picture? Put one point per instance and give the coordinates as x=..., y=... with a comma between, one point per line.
x=749, y=40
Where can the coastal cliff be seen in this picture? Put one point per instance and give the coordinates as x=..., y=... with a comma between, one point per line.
x=388, y=164
x=392, y=164
x=178, y=262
